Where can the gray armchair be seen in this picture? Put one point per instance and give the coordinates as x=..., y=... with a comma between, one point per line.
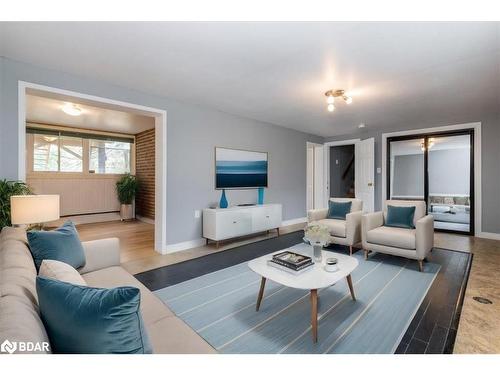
x=409, y=243
x=344, y=232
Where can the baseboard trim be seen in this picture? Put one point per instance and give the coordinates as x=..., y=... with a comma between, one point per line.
x=173, y=248
x=489, y=235
x=298, y=220
x=145, y=219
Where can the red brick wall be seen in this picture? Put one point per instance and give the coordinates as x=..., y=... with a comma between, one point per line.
x=145, y=172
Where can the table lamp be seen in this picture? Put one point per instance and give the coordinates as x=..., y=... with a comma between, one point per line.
x=34, y=209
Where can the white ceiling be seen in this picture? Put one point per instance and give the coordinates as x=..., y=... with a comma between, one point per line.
x=45, y=110
x=278, y=72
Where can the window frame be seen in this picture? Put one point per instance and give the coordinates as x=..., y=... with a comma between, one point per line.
x=85, y=156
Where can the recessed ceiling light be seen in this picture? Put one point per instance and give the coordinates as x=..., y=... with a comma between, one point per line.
x=71, y=109
x=362, y=125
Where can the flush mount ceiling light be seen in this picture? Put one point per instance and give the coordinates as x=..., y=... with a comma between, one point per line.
x=71, y=109
x=332, y=94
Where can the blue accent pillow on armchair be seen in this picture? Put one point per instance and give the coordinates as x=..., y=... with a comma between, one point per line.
x=86, y=320
x=338, y=210
x=400, y=217
x=62, y=244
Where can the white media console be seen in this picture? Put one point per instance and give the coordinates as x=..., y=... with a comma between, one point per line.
x=224, y=223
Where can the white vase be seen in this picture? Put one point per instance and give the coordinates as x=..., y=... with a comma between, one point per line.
x=317, y=253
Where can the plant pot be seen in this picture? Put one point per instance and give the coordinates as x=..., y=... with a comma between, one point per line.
x=126, y=212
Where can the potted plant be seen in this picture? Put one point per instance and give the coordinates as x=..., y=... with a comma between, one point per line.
x=127, y=188
x=8, y=189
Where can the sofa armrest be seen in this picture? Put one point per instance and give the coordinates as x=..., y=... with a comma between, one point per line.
x=353, y=227
x=100, y=254
x=370, y=221
x=317, y=214
x=425, y=236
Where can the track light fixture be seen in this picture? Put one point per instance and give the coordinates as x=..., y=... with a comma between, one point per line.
x=332, y=94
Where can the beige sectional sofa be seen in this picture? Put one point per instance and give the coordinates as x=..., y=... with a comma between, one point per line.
x=19, y=316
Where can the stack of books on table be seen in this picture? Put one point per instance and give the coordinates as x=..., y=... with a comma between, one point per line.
x=291, y=262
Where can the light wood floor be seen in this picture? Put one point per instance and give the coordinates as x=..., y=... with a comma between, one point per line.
x=479, y=329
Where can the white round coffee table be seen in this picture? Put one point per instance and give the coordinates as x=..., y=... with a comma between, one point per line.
x=312, y=279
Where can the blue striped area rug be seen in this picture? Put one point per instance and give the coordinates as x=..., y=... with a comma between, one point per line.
x=220, y=307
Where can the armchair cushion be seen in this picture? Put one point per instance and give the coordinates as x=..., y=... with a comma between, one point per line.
x=400, y=217
x=394, y=237
x=337, y=227
x=338, y=210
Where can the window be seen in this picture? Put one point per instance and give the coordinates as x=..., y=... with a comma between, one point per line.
x=55, y=153
x=112, y=157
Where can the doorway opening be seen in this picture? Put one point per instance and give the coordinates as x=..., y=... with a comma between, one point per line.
x=78, y=154
x=439, y=169
x=342, y=171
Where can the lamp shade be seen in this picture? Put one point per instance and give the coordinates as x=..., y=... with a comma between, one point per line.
x=34, y=209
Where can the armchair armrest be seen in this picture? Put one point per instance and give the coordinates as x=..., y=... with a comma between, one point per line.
x=370, y=221
x=317, y=214
x=425, y=236
x=353, y=227
x=100, y=254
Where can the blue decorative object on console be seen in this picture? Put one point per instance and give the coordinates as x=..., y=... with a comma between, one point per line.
x=223, y=200
x=261, y=195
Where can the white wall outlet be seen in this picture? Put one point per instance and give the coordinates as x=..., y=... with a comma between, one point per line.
x=379, y=170
x=197, y=214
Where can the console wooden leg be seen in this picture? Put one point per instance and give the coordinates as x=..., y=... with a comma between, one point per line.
x=350, y=250
x=421, y=265
x=217, y=244
x=351, y=288
x=314, y=314
x=278, y=231
x=366, y=254
x=261, y=293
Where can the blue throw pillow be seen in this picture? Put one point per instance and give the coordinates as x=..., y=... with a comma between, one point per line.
x=338, y=210
x=62, y=244
x=400, y=217
x=81, y=319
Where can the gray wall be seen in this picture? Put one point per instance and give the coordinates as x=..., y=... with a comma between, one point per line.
x=192, y=134
x=343, y=154
x=490, y=155
x=408, y=176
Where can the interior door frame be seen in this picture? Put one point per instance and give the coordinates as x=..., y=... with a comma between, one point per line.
x=474, y=131
x=160, y=116
x=326, y=163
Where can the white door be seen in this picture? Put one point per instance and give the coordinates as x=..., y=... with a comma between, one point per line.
x=310, y=177
x=319, y=182
x=364, y=180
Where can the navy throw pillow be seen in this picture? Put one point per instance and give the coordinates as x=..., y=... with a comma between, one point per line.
x=400, y=217
x=85, y=320
x=338, y=210
x=62, y=244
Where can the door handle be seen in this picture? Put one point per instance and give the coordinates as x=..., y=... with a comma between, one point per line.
x=234, y=222
x=370, y=184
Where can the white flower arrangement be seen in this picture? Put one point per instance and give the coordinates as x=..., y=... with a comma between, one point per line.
x=317, y=235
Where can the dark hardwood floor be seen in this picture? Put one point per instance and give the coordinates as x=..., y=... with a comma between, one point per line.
x=432, y=330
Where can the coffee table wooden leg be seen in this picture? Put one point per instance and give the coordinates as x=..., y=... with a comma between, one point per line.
x=261, y=293
x=314, y=314
x=351, y=288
